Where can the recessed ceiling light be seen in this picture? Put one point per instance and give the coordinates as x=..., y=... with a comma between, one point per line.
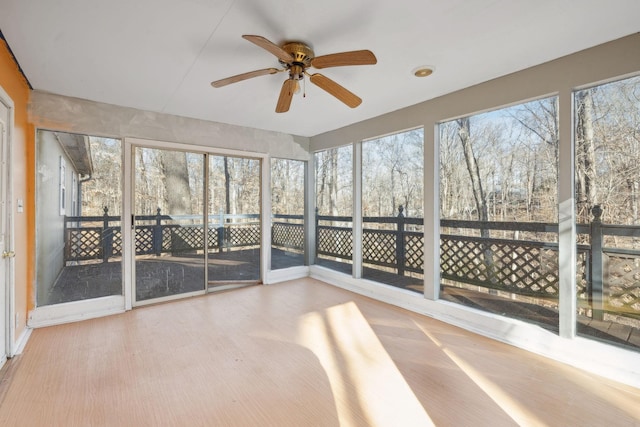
x=423, y=71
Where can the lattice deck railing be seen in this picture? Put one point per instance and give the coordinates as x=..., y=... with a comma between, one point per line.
x=516, y=266
x=608, y=279
x=156, y=234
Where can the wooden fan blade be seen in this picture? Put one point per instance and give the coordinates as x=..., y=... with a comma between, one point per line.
x=286, y=94
x=271, y=47
x=244, y=76
x=356, y=57
x=336, y=90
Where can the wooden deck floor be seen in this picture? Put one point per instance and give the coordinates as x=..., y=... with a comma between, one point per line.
x=300, y=353
x=178, y=274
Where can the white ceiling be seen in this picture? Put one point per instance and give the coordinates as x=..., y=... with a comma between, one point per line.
x=161, y=55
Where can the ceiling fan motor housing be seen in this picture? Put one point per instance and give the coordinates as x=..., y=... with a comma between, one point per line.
x=302, y=56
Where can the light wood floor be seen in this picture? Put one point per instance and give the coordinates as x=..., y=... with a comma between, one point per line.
x=300, y=353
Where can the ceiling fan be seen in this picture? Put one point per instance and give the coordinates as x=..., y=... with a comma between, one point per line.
x=296, y=58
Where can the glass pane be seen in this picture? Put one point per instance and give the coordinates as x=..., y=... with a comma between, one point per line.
x=79, y=235
x=392, y=210
x=334, y=204
x=169, y=226
x=607, y=160
x=234, y=221
x=498, y=199
x=287, y=209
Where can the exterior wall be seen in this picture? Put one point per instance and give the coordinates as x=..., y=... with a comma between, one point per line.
x=22, y=154
x=49, y=219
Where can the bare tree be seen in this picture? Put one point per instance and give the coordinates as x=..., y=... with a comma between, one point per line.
x=585, y=156
x=176, y=182
x=227, y=186
x=479, y=196
x=393, y=174
x=287, y=186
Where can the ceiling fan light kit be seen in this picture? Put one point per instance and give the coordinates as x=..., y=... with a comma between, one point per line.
x=295, y=58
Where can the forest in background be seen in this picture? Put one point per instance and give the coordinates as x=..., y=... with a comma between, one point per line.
x=502, y=165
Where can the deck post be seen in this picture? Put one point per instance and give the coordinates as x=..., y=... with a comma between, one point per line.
x=221, y=231
x=65, y=236
x=400, y=241
x=157, y=234
x=597, y=264
x=107, y=236
x=316, y=228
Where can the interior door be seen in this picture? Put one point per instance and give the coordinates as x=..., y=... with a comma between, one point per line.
x=169, y=224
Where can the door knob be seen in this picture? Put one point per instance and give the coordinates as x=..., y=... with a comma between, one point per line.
x=8, y=254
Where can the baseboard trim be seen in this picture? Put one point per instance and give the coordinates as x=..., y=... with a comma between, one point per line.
x=75, y=311
x=292, y=273
x=21, y=342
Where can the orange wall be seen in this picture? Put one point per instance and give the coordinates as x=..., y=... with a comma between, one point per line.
x=22, y=145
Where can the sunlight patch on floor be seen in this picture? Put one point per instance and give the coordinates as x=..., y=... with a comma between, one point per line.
x=366, y=384
x=514, y=409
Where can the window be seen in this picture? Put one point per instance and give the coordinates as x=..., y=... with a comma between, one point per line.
x=607, y=176
x=287, y=209
x=334, y=206
x=392, y=209
x=79, y=244
x=498, y=193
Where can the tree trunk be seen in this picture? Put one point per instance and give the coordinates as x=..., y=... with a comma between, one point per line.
x=473, y=169
x=322, y=170
x=144, y=192
x=633, y=186
x=176, y=182
x=333, y=184
x=464, y=133
x=586, y=161
x=227, y=187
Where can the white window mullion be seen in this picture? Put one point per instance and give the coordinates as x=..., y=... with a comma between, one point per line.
x=266, y=222
x=357, y=210
x=432, y=215
x=567, y=250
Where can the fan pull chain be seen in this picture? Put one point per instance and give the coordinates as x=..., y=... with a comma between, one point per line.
x=304, y=87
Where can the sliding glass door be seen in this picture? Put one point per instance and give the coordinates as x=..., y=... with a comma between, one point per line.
x=168, y=222
x=196, y=221
x=234, y=221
